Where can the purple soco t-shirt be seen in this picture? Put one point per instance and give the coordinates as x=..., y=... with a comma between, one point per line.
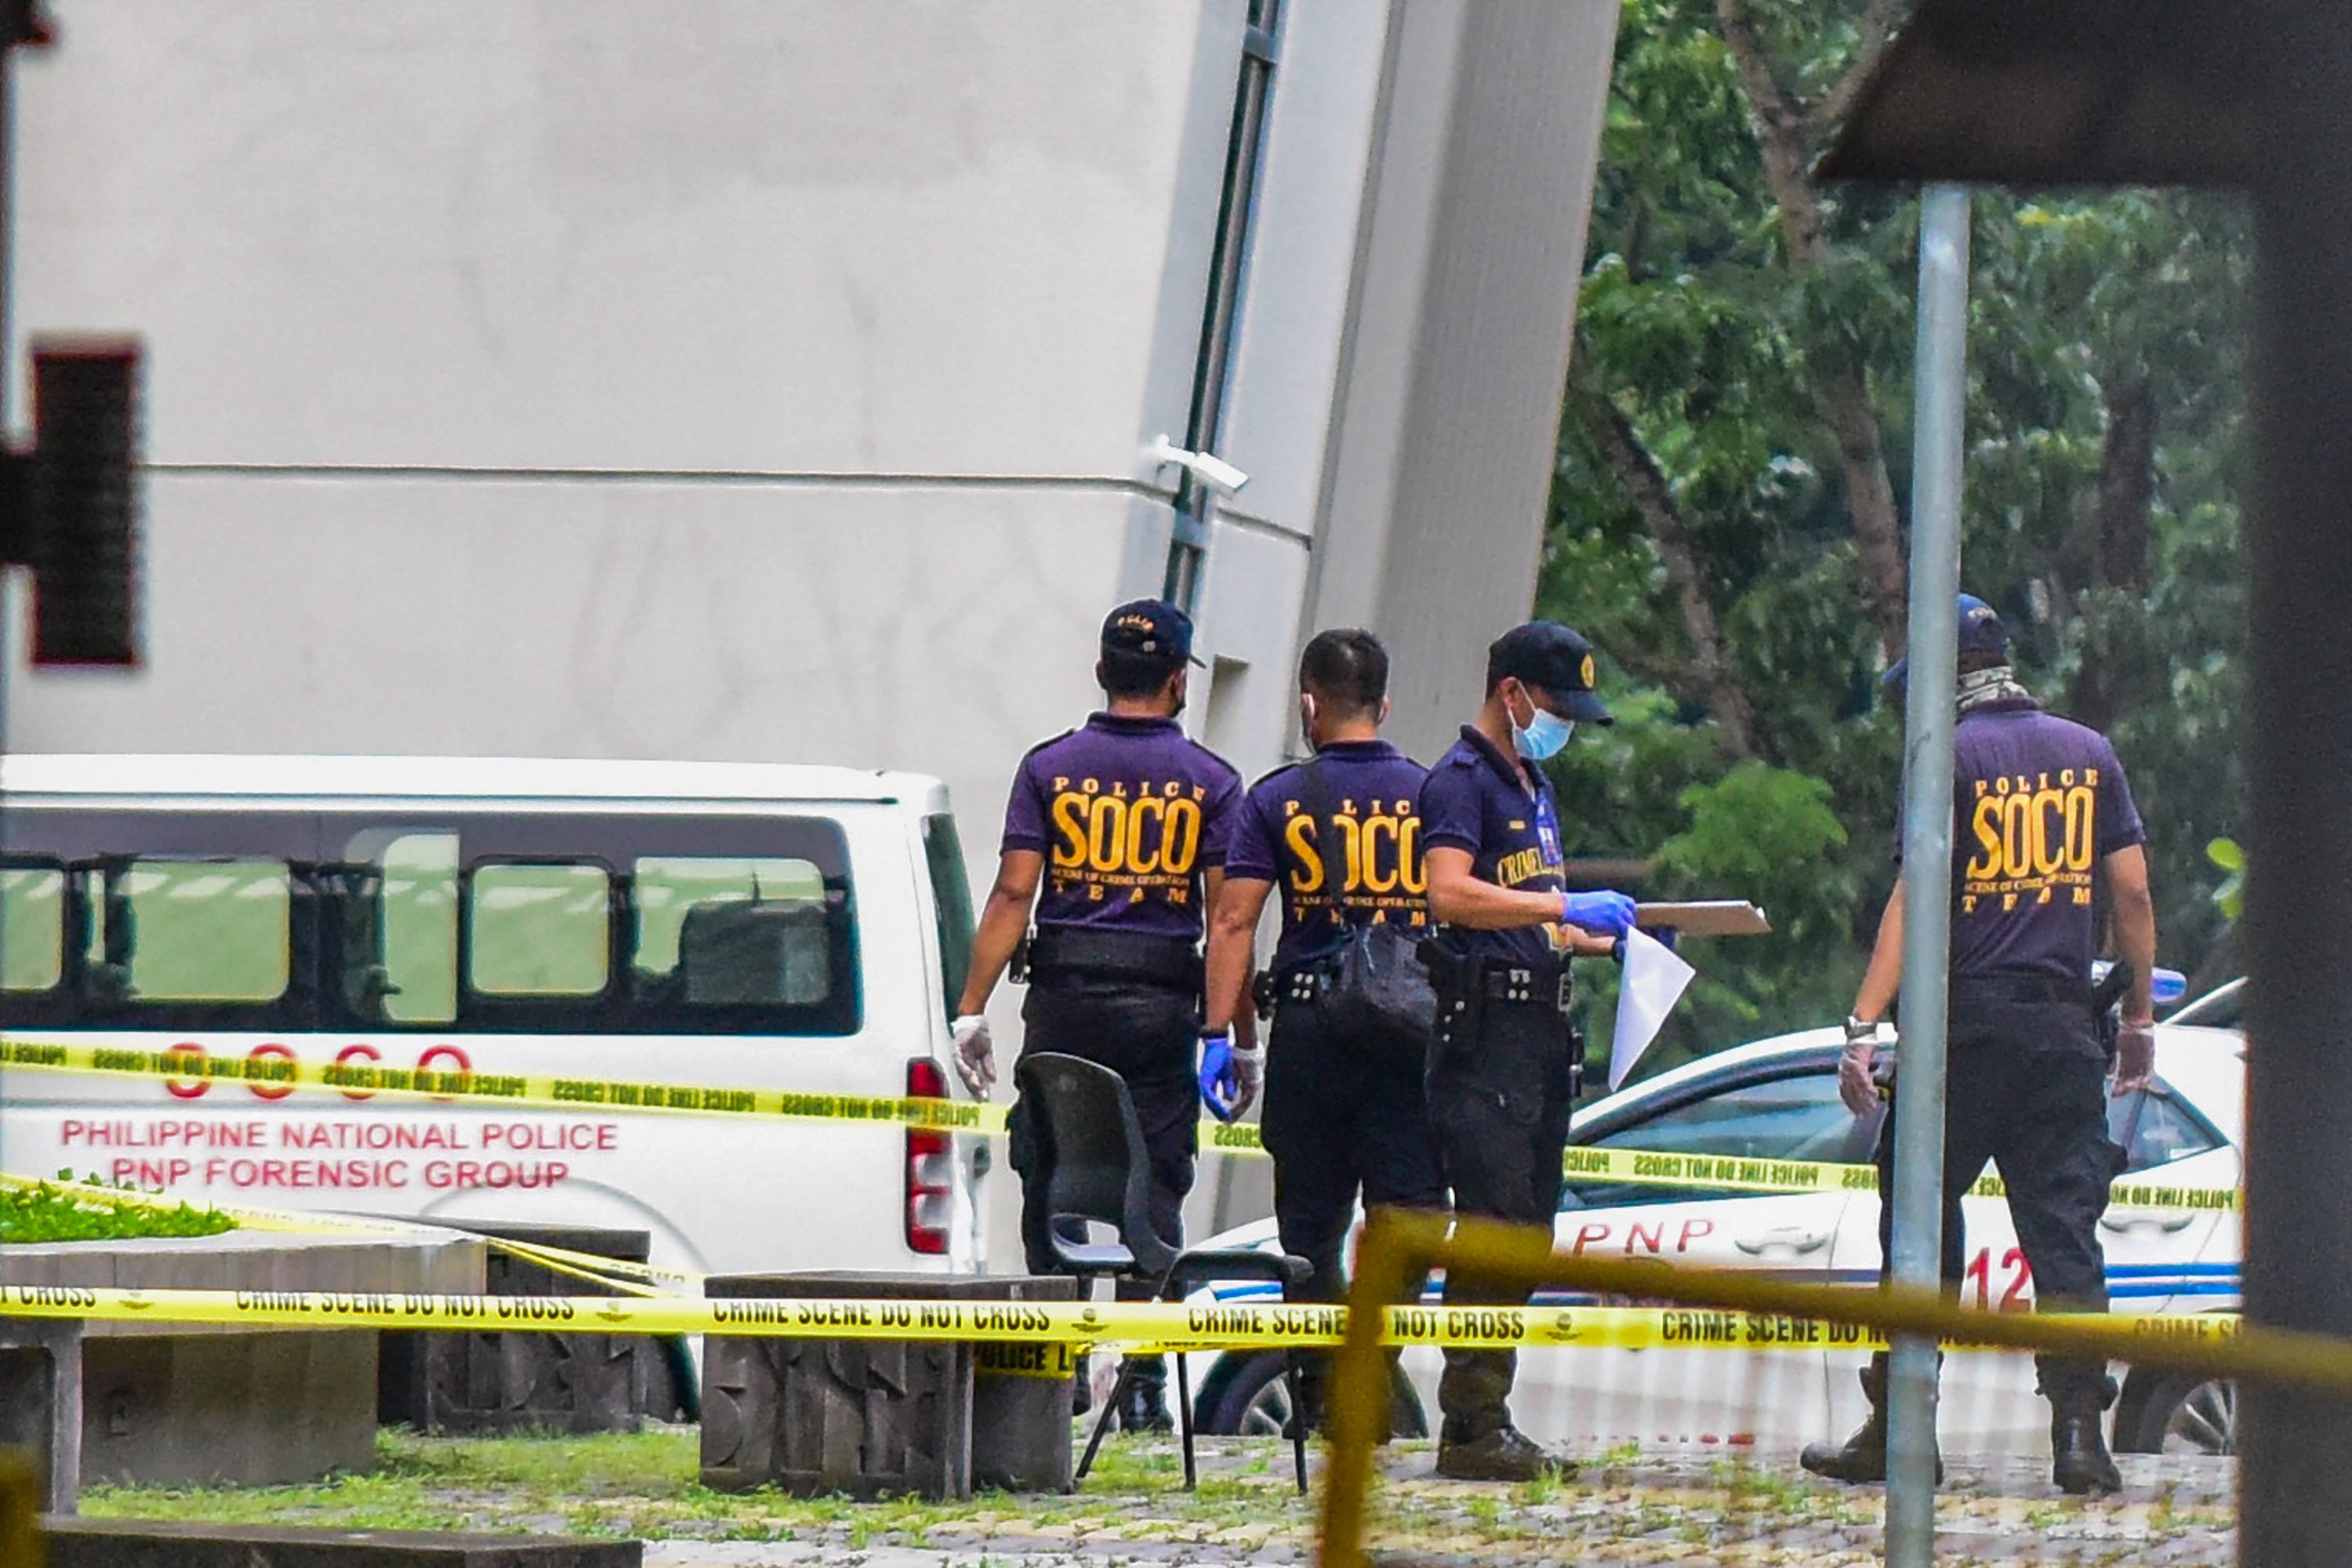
x=2041, y=801
x=1368, y=793
x=1479, y=800
x=1128, y=813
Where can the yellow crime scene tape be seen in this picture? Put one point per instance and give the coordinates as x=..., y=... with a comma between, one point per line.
x=1625, y=1166
x=1173, y=1326
x=535, y=1089
x=1728, y=1173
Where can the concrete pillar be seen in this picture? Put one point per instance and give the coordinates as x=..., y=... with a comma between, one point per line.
x=1447, y=425
x=2296, y=1507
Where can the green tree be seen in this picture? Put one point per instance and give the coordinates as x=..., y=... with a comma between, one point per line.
x=1726, y=521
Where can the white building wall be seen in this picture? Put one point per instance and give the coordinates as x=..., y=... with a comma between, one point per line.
x=872, y=627
x=769, y=382
x=771, y=236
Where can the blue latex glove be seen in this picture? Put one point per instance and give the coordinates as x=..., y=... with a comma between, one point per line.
x=1220, y=1083
x=1603, y=912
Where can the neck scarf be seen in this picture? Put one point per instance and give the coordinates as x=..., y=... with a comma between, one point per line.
x=1998, y=684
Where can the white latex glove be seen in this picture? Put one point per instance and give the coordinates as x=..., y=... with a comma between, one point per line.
x=2134, y=1058
x=1249, y=1075
x=1855, y=1085
x=975, y=1055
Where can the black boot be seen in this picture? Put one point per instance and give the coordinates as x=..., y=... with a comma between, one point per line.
x=1862, y=1456
x=1144, y=1407
x=2079, y=1460
x=1502, y=1455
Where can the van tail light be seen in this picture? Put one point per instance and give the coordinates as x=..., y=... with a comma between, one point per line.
x=931, y=1165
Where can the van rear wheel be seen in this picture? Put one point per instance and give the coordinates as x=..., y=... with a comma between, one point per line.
x=1253, y=1401
x=2181, y=1414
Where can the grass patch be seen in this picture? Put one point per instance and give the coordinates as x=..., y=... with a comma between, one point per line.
x=359, y=1502
x=38, y=1212
x=1767, y=1491
x=647, y=1484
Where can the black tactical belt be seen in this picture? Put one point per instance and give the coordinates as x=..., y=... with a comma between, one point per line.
x=1306, y=983
x=1057, y=952
x=2020, y=988
x=1547, y=986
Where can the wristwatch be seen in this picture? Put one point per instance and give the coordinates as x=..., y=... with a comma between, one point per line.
x=1857, y=1030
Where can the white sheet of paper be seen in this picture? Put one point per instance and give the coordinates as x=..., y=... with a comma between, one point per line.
x=1653, y=981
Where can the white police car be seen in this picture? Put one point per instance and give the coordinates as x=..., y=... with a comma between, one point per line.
x=1778, y=1100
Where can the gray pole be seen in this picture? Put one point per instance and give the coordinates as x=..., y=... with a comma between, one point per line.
x=2294, y=1507
x=1939, y=397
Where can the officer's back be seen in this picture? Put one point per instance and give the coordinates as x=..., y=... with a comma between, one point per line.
x=1115, y=832
x=2042, y=817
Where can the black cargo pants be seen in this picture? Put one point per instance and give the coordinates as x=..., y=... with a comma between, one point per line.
x=1148, y=1035
x=1342, y=1115
x=2025, y=1087
x=1503, y=1078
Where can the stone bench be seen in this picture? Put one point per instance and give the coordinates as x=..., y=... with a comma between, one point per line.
x=197, y=1404
x=40, y=1402
x=483, y=1381
x=870, y=1417
x=152, y=1543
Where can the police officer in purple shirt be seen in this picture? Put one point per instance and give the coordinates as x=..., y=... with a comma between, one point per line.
x=2042, y=817
x=1504, y=1069
x=1346, y=1112
x=1116, y=833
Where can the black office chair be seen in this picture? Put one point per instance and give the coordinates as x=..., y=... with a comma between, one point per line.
x=1090, y=1155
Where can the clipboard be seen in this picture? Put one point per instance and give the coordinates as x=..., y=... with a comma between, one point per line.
x=1706, y=917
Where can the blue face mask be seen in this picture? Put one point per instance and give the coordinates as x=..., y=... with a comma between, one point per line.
x=1543, y=735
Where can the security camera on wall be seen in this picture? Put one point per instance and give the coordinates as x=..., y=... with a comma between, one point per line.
x=1205, y=468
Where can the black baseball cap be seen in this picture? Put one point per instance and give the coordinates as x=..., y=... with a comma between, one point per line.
x=1556, y=660
x=1150, y=628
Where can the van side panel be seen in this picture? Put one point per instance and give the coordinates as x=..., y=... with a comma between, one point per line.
x=770, y=945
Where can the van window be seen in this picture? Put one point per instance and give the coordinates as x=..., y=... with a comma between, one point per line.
x=32, y=928
x=592, y=922
x=195, y=930
x=732, y=932
x=742, y=925
x=952, y=901
x=539, y=930
x=418, y=952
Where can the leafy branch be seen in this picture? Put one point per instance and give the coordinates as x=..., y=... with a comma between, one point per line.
x=1708, y=675
x=1785, y=130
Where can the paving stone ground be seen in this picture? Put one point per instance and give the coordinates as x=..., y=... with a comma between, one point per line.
x=1694, y=1508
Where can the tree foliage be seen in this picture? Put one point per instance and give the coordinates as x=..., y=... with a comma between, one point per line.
x=1738, y=420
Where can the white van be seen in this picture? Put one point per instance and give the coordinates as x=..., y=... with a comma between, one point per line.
x=726, y=925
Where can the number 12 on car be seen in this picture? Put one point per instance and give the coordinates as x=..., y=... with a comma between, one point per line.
x=2013, y=1278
